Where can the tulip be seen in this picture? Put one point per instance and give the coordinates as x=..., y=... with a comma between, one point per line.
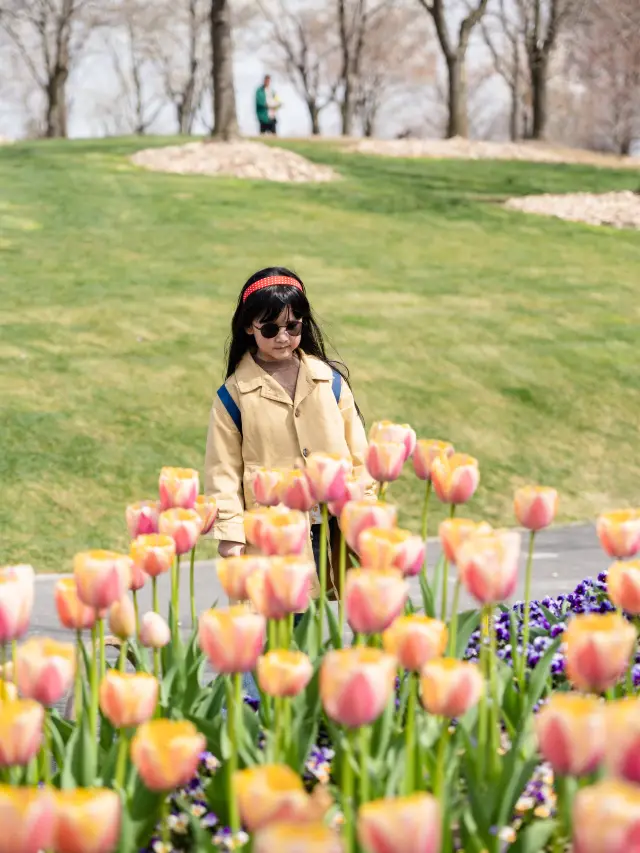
x=355, y=489
x=328, y=474
x=283, y=533
x=283, y=588
x=415, y=640
x=284, y=673
x=622, y=743
x=8, y=690
x=266, y=486
x=387, y=431
x=606, y=818
x=21, y=725
x=102, y=577
x=183, y=525
x=232, y=639
x=138, y=577
x=154, y=631
x=619, y=533
x=166, y=753
x=374, y=598
x=271, y=793
x=297, y=838
x=295, y=491
x=128, y=699
x=178, y=488
x=207, y=509
x=453, y=532
x=16, y=601
x=424, y=454
x=598, y=648
x=455, y=478
x=400, y=825
x=358, y=516
x=45, y=669
x=623, y=586
x=87, y=821
x=449, y=687
x=233, y=573
x=535, y=506
x=391, y=549
x=384, y=460
x=122, y=618
x=356, y=684
x=142, y=518
x=253, y=522
x=571, y=733
x=153, y=554
x=27, y=819
x=488, y=565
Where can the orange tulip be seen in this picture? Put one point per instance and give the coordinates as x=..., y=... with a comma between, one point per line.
x=449, y=687
x=619, y=533
x=295, y=491
x=598, y=648
x=233, y=573
x=16, y=601
x=27, y=819
x=283, y=588
x=426, y=451
x=606, y=818
x=391, y=549
x=535, y=506
x=122, y=618
x=20, y=731
x=415, y=640
x=384, y=460
x=328, y=474
x=374, y=598
x=232, y=639
x=283, y=533
x=266, y=486
x=356, y=684
x=355, y=489
x=400, y=825
x=254, y=518
x=87, y=821
x=284, y=673
x=387, y=431
x=142, y=518
x=128, y=699
x=622, y=742
x=207, y=509
x=358, y=516
x=166, y=753
x=183, y=525
x=178, y=488
x=297, y=838
x=153, y=554
x=271, y=793
x=488, y=565
x=623, y=586
x=454, y=531
x=571, y=733
x=455, y=478
x=72, y=612
x=102, y=577
x=45, y=669
x=154, y=631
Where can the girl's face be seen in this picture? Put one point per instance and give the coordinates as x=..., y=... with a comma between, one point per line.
x=281, y=345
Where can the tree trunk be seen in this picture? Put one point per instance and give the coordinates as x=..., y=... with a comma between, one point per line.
x=346, y=107
x=225, y=119
x=539, y=97
x=457, y=124
x=57, y=104
x=314, y=115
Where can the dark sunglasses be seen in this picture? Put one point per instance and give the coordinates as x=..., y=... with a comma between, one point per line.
x=270, y=330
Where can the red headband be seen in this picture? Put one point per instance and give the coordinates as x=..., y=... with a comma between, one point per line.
x=270, y=281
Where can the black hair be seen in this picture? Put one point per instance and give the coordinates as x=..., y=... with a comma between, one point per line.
x=266, y=305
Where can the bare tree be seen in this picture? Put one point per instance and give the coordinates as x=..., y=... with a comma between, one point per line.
x=455, y=54
x=224, y=98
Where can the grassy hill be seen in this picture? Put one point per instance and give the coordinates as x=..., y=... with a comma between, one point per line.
x=515, y=337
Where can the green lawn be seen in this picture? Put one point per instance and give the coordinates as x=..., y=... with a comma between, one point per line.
x=515, y=337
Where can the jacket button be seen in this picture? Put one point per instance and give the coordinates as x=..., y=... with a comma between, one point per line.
x=297, y=413
x=305, y=452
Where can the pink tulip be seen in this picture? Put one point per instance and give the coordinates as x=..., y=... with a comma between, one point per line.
x=87, y=821
x=328, y=474
x=619, y=533
x=622, y=741
x=598, y=647
x=374, y=598
x=354, y=491
x=254, y=519
x=122, y=618
x=183, y=525
x=623, y=586
x=295, y=491
x=142, y=518
x=267, y=484
x=178, y=488
x=571, y=733
x=455, y=478
x=102, y=577
x=128, y=699
x=488, y=565
x=207, y=509
x=288, y=837
x=415, y=640
x=391, y=549
x=233, y=573
x=153, y=554
x=269, y=794
x=138, y=577
x=426, y=451
x=536, y=506
x=16, y=601
x=358, y=516
x=450, y=687
x=283, y=673
x=72, y=612
x=384, y=460
x=386, y=431
x=356, y=685
x=232, y=639
x=284, y=587
x=154, y=631
x=283, y=533
x=21, y=723
x=27, y=818
x=453, y=532
x=166, y=753
x=606, y=818
x=400, y=825
x=46, y=669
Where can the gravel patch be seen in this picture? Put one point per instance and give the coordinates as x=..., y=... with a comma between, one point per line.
x=251, y=160
x=617, y=210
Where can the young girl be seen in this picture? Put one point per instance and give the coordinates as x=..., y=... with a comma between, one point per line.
x=282, y=400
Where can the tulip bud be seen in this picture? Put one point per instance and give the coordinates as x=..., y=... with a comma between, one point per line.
x=327, y=474
x=454, y=532
x=87, y=821
x=233, y=573
x=102, y=577
x=232, y=639
x=207, y=509
x=122, y=618
x=266, y=486
x=284, y=673
x=606, y=818
x=619, y=533
x=27, y=819
x=166, y=753
x=455, y=478
x=449, y=687
x=142, y=518
x=183, y=525
x=426, y=451
x=153, y=554
x=374, y=598
x=45, y=669
x=488, y=565
x=21, y=725
x=178, y=488
x=138, y=576
x=356, y=684
x=598, y=648
x=358, y=516
x=295, y=491
x=154, y=631
x=128, y=699
x=535, y=506
x=284, y=587
x=400, y=825
x=384, y=460
x=386, y=431
x=571, y=733
x=623, y=586
x=391, y=549
x=415, y=640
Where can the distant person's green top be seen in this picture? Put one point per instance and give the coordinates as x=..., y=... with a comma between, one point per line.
x=262, y=107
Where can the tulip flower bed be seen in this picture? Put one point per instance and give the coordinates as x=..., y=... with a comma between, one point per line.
x=480, y=731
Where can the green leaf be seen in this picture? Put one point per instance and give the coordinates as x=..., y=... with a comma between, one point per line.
x=428, y=597
x=534, y=838
x=305, y=632
x=467, y=624
x=202, y=840
x=78, y=768
x=334, y=629
x=213, y=699
x=217, y=794
x=539, y=676
x=212, y=730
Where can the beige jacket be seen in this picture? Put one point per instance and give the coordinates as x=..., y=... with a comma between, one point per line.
x=276, y=433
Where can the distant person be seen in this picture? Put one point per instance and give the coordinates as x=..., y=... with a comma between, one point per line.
x=267, y=105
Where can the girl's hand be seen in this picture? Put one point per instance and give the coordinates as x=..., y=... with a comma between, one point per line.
x=227, y=548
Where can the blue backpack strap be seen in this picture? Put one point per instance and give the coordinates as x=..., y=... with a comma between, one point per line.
x=231, y=406
x=336, y=384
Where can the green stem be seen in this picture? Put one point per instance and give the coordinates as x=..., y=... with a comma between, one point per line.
x=156, y=663
x=234, y=711
x=445, y=578
x=438, y=788
x=493, y=678
x=77, y=700
x=382, y=494
x=122, y=657
x=424, y=529
x=525, y=617
x=273, y=634
x=482, y=710
x=103, y=656
x=342, y=582
x=323, y=573
x=364, y=736
x=348, y=790
x=453, y=633
x=192, y=585
x=175, y=596
x=165, y=811
x=410, y=736
x=154, y=594
x=93, y=713
x=136, y=611
x=46, y=748
x=121, y=762
x=563, y=809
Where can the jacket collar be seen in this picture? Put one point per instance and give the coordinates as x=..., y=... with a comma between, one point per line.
x=250, y=376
